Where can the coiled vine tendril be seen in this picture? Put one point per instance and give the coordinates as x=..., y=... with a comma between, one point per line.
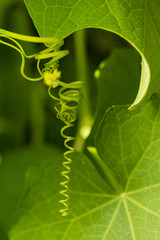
x=68, y=94
x=69, y=97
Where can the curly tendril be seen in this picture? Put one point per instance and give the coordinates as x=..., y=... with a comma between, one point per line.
x=68, y=98
x=51, y=52
x=66, y=107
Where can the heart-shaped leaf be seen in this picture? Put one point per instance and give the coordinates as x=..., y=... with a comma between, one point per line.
x=134, y=20
x=96, y=211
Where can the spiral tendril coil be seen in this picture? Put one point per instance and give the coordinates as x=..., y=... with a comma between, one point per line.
x=68, y=95
x=66, y=108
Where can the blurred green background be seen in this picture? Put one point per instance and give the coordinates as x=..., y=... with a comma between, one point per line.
x=28, y=124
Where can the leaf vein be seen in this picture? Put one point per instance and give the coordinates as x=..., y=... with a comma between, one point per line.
x=129, y=219
x=143, y=207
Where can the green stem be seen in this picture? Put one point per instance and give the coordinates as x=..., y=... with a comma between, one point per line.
x=85, y=115
x=105, y=171
x=37, y=115
x=28, y=38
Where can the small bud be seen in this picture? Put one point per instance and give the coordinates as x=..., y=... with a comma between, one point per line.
x=50, y=79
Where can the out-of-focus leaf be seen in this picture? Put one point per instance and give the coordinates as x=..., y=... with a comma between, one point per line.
x=117, y=80
x=12, y=175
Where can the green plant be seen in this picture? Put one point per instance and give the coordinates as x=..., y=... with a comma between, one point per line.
x=114, y=187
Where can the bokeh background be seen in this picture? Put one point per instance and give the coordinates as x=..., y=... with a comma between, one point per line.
x=28, y=121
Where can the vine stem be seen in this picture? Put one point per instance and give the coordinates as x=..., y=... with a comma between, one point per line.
x=85, y=116
x=105, y=171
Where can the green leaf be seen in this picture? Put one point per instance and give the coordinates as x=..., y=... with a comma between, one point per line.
x=12, y=175
x=117, y=80
x=134, y=20
x=96, y=212
x=124, y=136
